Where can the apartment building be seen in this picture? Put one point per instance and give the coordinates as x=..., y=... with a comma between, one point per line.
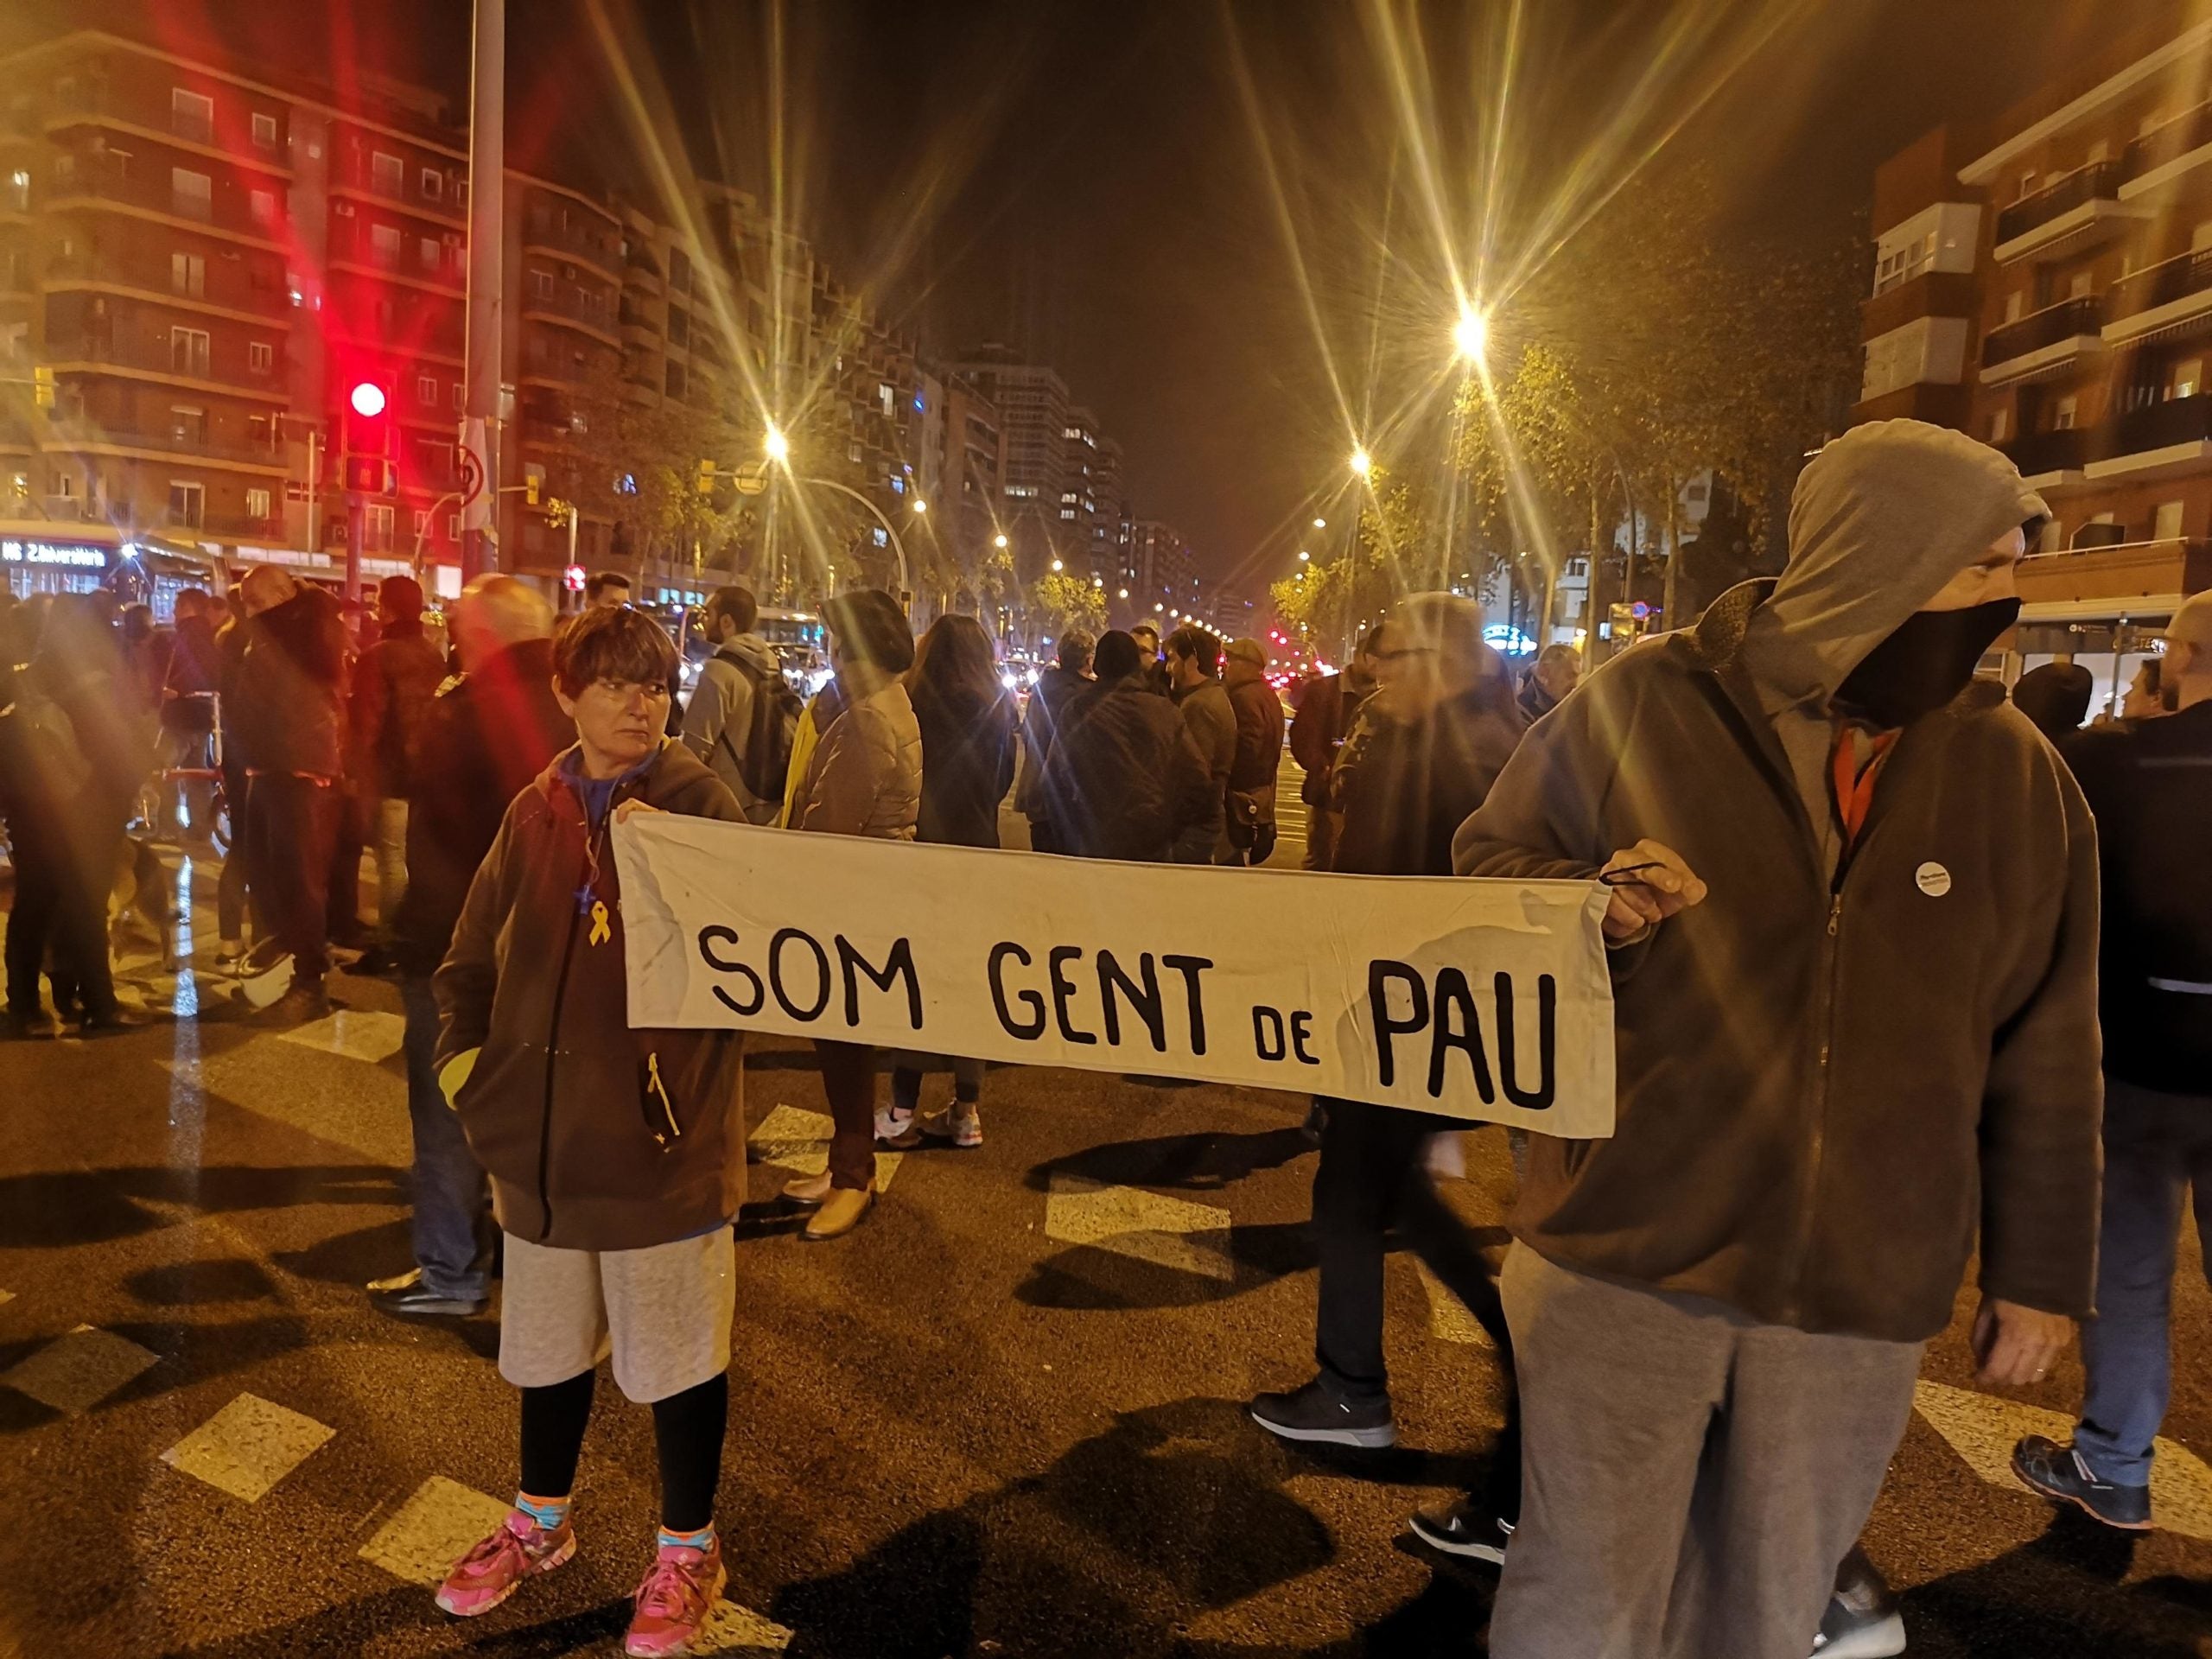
x=1160, y=571
x=2046, y=284
x=1033, y=405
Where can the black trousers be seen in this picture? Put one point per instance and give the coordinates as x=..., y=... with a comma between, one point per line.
x=1372, y=1179
x=61, y=913
x=291, y=824
x=349, y=838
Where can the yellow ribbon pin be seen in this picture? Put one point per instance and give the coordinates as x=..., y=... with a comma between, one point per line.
x=600, y=932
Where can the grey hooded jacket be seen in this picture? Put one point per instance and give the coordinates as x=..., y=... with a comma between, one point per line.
x=718, y=720
x=1837, y=1077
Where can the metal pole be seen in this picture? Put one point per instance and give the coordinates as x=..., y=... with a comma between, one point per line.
x=357, y=525
x=889, y=529
x=487, y=206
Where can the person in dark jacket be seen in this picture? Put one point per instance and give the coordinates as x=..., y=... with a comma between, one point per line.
x=2056, y=698
x=1152, y=673
x=187, y=716
x=967, y=723
x=394, y=681
x=1194, y=682
x=2150, y=791
x=482, y=741
x=1250, y=826
x=1423, y=753
x=617, y=1155
x=1055, y=687
x=1126, y=779
x=1869, y=1042
x=1323, y=722
x=1557, y=671
x=286, y=716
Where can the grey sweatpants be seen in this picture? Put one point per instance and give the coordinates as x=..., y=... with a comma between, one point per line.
x=1690, y=1478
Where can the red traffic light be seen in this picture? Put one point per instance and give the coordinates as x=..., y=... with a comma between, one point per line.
x=368, y=398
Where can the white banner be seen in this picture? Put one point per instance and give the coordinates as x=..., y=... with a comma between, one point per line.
x=1481, y=999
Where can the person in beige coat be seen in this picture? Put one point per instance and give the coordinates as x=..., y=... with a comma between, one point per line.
x=863, y=778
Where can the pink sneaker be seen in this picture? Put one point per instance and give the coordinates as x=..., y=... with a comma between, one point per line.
x=493, y=1571
x=674, y=1601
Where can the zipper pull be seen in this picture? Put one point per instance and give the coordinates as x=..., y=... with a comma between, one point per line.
x=1836, y=913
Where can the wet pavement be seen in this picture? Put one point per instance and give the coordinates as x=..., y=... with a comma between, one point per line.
x=1001, y=1418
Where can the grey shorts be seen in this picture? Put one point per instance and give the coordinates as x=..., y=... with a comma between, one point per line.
x=663, y=1312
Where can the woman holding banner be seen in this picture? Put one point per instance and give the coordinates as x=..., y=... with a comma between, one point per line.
x=863, y=778
x=966, y=720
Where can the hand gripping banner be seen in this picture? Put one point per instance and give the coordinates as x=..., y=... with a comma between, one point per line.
x=1483, y=999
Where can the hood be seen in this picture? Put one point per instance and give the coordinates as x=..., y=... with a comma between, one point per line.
x=1880, y=520
x=753, y=652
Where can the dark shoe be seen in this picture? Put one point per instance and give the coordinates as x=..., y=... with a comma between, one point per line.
x=1862, y=1621
x=405, y=1296
x=2060, y=1473
x=34, y=1025
x=1318, y=1411
x=114, y=1023
x=302, y=1005
x=1463, y=1528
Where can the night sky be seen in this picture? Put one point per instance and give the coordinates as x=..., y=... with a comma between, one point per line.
x=1081, y=177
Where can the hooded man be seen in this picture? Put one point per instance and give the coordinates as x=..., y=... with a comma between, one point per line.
x=743, y=715
x=1853, y=946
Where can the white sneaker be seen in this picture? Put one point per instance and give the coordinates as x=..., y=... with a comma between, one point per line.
x=265, y=977
x=964, y=1127
x=892, y=1123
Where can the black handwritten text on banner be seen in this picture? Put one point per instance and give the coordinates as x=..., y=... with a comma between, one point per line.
x=1481, y=999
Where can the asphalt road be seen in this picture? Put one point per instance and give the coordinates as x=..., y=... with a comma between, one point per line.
x=1001, y=1418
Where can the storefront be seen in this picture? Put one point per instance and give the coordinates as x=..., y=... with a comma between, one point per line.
x=42, y=556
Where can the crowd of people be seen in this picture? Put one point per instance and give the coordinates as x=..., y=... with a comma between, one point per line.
x=1853, y=926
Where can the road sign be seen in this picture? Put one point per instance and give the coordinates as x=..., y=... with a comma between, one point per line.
x=470, y=462
x=752, y=480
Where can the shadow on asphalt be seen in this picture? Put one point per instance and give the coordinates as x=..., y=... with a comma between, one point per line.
x=183, y=1284
x=54, y=1209
x=1175, y=1494
x=1203, y=1162
x=2057, y=1596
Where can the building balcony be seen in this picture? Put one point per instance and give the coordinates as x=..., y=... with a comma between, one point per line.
x=148, y=280
x=2166, y=152
x=2079, y=211
x=238, y=527
x=2145, y=578
x=165, y=361
x=1929, y=294
x=2046, y=458
x=600, y=249
x=100, y=437
x=2042, y=340
x=2159, y=298
x=2156, y=441
x=573, y=313
x=147, y=199
x=92, y=106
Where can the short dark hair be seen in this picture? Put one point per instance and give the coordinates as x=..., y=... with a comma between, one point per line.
x=1148, y=631
x=1075, y=646
x=871, y=628
x=737, y=604
x=1197, y=642
x=594, y=586
x=617, y=642
x=1370, y=643
x=1116, y=657
x=402, y=596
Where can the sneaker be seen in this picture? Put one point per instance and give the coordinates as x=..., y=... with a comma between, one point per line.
x=264, y=974
x=1464, y=1528
x=1318, y=1411
x=675, y=1600
x=1862, y=1621
x=493, y=1571
x=891, y=1122
x=962, y=1128
x=2061, y=1474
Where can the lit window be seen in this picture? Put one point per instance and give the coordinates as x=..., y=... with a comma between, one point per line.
x=383, y=243
x=460, y=396
x=192, y=195
x=434, y=184
x=262, y=204
x=188, y=275
x=260, y=356
x=265, y=132
x=387, y=174
x=427, y=251
x=256, y=501
x=426, y=389
x=192, y=115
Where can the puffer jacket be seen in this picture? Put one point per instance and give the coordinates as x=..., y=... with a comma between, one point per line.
x=1125, y=779
x=286, y=712
x=864, y=777
x=595, y=1136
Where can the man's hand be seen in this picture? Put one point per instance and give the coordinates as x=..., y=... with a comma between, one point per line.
x=1652, y=895
x=2015, y=1345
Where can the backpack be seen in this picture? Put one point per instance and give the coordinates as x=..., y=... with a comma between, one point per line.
x=765, y=761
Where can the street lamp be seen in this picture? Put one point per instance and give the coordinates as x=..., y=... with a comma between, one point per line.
x=921, y=505
x=1320, y=524
x=1471, y=334
x=777, y=446
x=1124, y=593
x=998, y=541
x=1304, y=556
x=1157, y=607
x=1361, y=463
x=1057, y=565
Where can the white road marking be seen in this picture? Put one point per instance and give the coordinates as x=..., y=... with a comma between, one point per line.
x=353, y=1034
x=434, y=1529
x=1146, y=1226
x=1448, y=1319
x=799, y=1141
x=248, y=1447
x=367, y=1113
x=74, y=1373
x=1982, y=1429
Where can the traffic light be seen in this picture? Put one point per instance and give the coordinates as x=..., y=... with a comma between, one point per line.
x=530, y=483
x=43, y=386
x=707, y=476
x=365, y=438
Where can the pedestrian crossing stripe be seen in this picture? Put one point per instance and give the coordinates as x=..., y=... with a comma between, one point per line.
x=1144, y=1226
x=76, y=1372
x=1448, y=1319
x=1983, y=1429
x=351, y=1034
x=248, y=1447
x=799, y=1141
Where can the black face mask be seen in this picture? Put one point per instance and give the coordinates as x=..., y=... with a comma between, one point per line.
x=1924, y=663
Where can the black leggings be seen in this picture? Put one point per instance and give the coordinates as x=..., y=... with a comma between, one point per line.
x=687, y=1433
